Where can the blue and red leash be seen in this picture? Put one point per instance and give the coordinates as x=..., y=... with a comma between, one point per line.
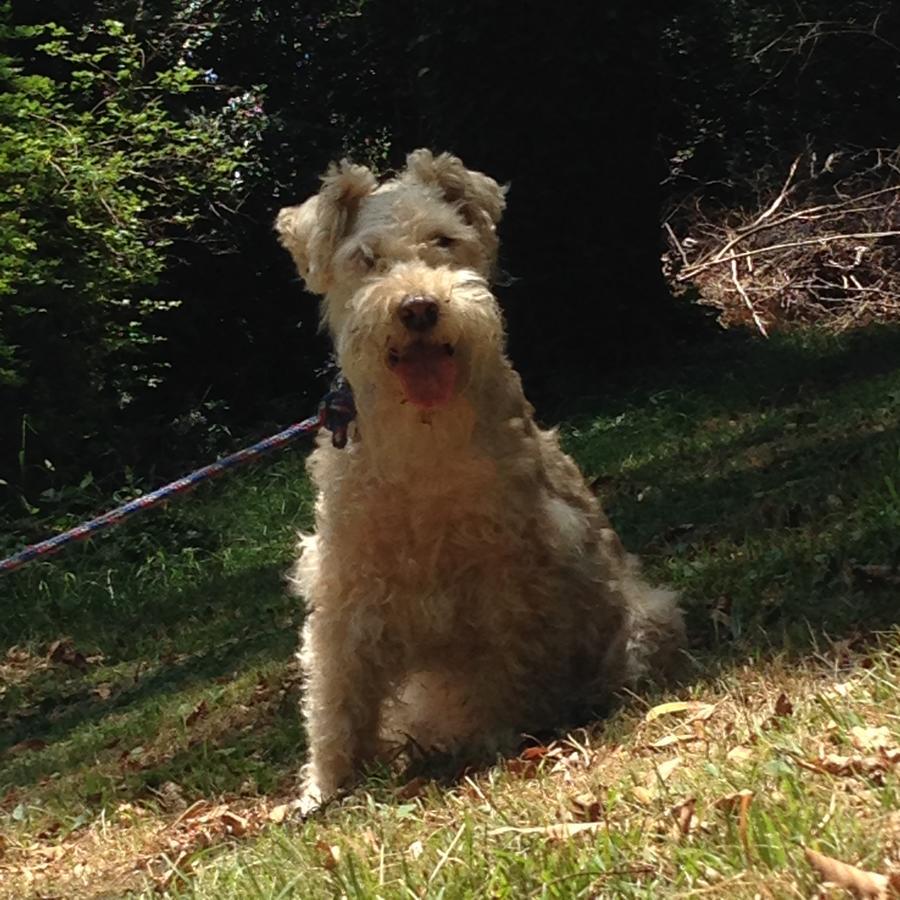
x=335, y=413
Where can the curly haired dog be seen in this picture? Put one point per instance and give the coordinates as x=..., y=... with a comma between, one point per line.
x=463, y=583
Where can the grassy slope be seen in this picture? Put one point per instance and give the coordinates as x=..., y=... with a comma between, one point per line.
x=757, y=479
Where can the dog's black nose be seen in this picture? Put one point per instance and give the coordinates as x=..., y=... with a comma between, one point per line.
x=418, y=312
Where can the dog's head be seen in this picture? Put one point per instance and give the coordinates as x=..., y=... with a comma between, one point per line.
x=436, y=212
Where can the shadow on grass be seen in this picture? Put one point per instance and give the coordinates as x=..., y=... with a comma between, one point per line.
x=760, y=526
x=229, y=624
x=735, y=372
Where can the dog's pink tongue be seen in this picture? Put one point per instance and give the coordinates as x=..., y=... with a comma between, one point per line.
x=428, y=375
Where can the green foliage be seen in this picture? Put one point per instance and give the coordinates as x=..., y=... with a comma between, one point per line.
x=102, y=165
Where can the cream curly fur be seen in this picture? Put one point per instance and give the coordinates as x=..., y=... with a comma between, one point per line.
x=463, y=583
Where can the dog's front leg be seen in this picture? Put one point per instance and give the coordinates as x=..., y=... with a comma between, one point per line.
x=344, y=692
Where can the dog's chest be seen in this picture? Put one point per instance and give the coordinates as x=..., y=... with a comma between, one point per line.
x=434, y=535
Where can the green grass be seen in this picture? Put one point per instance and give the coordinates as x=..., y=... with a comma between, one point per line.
x=758, y=478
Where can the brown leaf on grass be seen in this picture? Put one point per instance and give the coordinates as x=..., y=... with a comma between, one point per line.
x=197, y=713
x=194, y=811
x=670, y=740
x=235, y=824
x=528, y=763
x=522, y=768
x=278, y=814
x=859, y=881
x=783, y=706
x=563, y=831
x=558, y=831
x=739, y=754
x=102, y=691
x=65, y=652
x=730, y=802
x=700, y=711
x=586, y=807
x=329, y=854
x=539, y=751
x=873, y=767
x=683, y=813
x=413, y=788
x=663, y=771
x=49, y=831
x=740, y=801
x=871, y=739
x=643, y=795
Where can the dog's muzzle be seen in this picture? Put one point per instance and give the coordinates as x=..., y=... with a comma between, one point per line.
x=418, y=312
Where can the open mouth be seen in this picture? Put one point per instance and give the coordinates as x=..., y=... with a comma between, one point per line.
x=427, y=373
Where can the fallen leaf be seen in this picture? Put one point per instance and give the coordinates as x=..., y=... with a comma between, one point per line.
x=730, y=802
x=64, y=651
x=562, y=831
x=413, y=788
x=49, y=830
x=539, y=751
x=873, y=767
x=586, y=807
x=642, y=795
x=740, y=801
x=522, y=768
x=739, y=754
x=683, y=813
x=192, y=812
x=330, y=854
x=557, y=831
x=198, y=712
x=671, y=739
x=663, y=771
x=783, y=706
x=871, y=739
x=859, y=881
x=278, y=814
x=700, y=710
x=527, y=763
x=235, y=824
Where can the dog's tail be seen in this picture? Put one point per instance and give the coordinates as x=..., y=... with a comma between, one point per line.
x=656, y=634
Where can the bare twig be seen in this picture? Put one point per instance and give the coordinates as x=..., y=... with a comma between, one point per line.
x=825, y=262
x=747, y=302
x=821, y=239
x=776, y=203
x=823, y=210
x=677, y=243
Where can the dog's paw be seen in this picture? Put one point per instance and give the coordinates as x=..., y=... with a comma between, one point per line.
x=311, y=800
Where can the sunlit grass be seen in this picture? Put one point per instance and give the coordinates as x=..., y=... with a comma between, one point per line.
x=762, y=480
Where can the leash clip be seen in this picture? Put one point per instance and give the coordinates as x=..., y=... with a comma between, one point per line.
x=337, y=410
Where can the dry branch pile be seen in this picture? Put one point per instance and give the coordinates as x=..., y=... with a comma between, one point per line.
x=823, y=250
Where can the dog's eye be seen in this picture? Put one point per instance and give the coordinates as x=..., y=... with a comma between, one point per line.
x=444, y=242
x=366, y=256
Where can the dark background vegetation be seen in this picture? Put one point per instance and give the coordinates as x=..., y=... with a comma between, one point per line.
x=149, y=319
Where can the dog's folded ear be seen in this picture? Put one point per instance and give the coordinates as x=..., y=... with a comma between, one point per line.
x=313, y=230
x=480, y=199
